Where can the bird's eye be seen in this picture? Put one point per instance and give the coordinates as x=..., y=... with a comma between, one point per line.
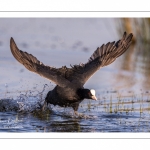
x=90, y=93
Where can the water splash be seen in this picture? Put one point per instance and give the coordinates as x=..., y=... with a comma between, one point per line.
x=26, y=102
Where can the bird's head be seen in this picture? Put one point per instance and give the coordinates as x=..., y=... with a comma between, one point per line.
x=90, y=94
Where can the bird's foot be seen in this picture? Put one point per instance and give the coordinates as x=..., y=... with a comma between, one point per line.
x=80, y=115
x=83, y=116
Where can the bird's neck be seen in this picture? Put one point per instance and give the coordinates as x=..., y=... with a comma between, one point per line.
x=82, y=93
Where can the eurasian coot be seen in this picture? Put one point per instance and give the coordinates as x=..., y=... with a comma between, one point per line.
x=69, y=90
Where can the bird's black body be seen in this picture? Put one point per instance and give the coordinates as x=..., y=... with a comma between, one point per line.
x=69, y=90
x=64, y=97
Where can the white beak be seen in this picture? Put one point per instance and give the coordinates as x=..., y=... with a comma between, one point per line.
x=94, y=97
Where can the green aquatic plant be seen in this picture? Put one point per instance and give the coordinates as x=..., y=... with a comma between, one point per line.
x=89, y=105
x=105, y=105
x=148, y=109
x=141, y=109
x=123, y=105
x=119, y=100
x=116, y=109
x=110, y=106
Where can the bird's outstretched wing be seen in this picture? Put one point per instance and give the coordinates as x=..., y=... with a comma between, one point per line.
x=103, y=56
x=34, y=65
x=79, y=74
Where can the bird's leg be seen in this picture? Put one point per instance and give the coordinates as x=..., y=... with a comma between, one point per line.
x=76, y=113
x=80, y=115
x=75, y=108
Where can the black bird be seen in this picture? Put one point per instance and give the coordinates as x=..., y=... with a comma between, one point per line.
x=69, y=90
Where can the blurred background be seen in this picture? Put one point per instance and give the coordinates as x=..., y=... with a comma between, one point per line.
x=138, y=59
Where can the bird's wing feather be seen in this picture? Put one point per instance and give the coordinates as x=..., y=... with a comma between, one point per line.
x=103, y=56
x=34, y=65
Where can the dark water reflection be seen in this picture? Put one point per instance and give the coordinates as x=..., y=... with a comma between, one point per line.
x=122, y=88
